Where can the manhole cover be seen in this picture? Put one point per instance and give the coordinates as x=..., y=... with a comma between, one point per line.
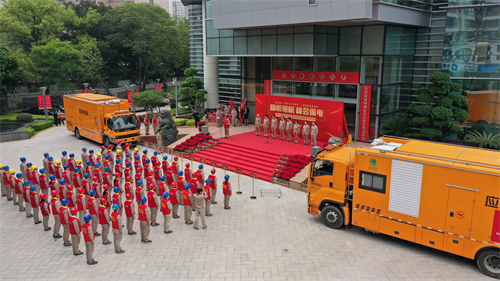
x=270, y=193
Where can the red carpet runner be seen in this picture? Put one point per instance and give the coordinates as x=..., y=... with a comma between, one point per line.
x=251, y=153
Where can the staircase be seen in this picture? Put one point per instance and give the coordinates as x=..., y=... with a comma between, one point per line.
x=236, y=156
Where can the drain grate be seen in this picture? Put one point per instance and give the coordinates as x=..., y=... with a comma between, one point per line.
x=270, y=193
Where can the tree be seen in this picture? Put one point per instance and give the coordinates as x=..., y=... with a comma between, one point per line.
x=191, y=93
x=57, y=63
x=10, y=72
x=441, y=106
x=149, y=100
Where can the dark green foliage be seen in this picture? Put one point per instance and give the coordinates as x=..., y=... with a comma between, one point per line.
x=24, y=118
x=397, y=126
x=483, y=139
x=42, y=125
x=191, y=93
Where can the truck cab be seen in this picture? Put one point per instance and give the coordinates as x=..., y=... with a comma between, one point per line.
x=117, y=124
x=329, y=185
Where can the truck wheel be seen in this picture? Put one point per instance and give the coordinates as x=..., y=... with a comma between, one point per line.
x=77, y=133
x=489, y=263
x=332, y=217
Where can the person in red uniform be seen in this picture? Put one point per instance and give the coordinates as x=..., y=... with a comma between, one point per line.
x=146, y=168
x=96, y=186
x=77, y=179
x=154, y=158
x=138, y=175
x=35, y=176
x=44, y=182
x=89, y=238
x=92, y=158
x=52, y=166
x=44, y=207
x=81, y=203
x=119, y=169
x=164, y=164
x=106, y=194
x=106, y=177
x=62, y=189
x=194, y=185
x=153, y=204
x=137, y=163
x=150, y=179
x=35, y=204
x=86, y=185
x=26, y=197
x=67, y=174
x=175, y=168
x=144, y=218
x=55, y=204
x=93, y=208
x=97, y=172
x=117, y=199
x=227, y=191
x=175, y=196
x=104, y=221
x=6, y=187
x=64, y=216
x=129, y=213
x=139, y=192
x=200, y=176
x=169, y=176
x=127, y=172
x=59, y=170
x=166, y=206
x=187, y=173
x=71, y=197
x=156, y=122
x=162, y=186
x=181, y=182
x=146, y=124
x=207, y=188
x=53, y=185
x=75, y=229
x=72, y=163
x=18, y=186
x=157, y=172
x=116, y=224
x=128, y=186
x=144, y=157
x=213, y=185
x=187, y=199
x=227, y=124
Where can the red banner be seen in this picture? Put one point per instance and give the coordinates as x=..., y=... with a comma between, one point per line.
x=364, y=113
x=85, y=91
x=40, y=102
x=328, y=115
x=158, y=87
x=48, y=102
x=317, y=76
x=129, y=97
x=267, y=87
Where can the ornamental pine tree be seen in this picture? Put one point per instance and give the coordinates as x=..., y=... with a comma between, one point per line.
x=191, y=93
x=439, y=109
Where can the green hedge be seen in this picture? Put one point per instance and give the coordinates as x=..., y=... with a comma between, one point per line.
x=180, y=122
x=30, y=130
x=42, y=125
x=24, y=117
x=190, y=122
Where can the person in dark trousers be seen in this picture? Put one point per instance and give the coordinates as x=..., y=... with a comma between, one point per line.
x=61, y=117
x=196, y=117
x=245, y=112
x=56, y=119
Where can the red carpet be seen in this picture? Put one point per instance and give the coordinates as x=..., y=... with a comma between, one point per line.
x=252, y=153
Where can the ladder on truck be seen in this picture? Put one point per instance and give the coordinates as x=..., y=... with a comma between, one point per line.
x=350, y=176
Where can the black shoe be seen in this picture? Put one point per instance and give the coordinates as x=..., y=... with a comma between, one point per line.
x=132, y=233
x=38, y=222
x=15, y=203
x=120, y=252
x=22, y=210
x=214, y=202
x=149, y=241
x=3, y=195
x=106, y=243
x=196, y=228
x=57, y=236
x=189, y=223
x=227, y=208
x=204, y=227
x=167, y=232
x=77, y=254
x=47, y=229
x=92, y=263
x=97, y=234
x=30, y=216
x=156, y=224
x=176, y=217
x=10, y=199
x=194, y=210
x=209, y=215
x=67, y=245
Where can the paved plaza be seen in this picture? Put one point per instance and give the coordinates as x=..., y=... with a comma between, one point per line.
x=269, y=238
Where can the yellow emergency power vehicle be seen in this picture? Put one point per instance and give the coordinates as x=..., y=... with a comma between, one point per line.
x=104, y=119
x=442, y=196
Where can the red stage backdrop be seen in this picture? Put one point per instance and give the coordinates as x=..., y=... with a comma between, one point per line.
x=364, y=117
x=328, y=115
x=317, y=76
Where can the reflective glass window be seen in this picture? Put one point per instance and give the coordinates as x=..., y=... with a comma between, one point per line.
x=373, y=40
x=350, y=40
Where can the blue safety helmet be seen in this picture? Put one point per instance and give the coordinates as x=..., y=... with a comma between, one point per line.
x=19, y=175
x=116, y=207
x=116, y=189
x=226, y=177
x=200, y=166
x=87, y=218
x=139, y=182
x=92, y=192
x=84, y=149
x=106, y=157
x=51, y=158
x=128, y=155
x=27, y=182
x=106, y=169
x=128, y=164
x=71, y=155
x=118, y=161
x=45, y=154
x=155, y=153
x=23, y=159
x=98, y=165
x=91, y=151
x=42, y=170
x=137, y=157
x=165, y=157
x=208, y=181
x=86, y=175
x=62, y=182
x=66, y=167
x=77, y=170
x=144, y=200
x=64, y=153
x=162, y=178
x=165, y=194
x=6, y=168
x=181, y=173
x=145, y=151
x=33, y=188
x=188, y=186
x=52, y=177
x=64, y=202
x=89, y=162
x=148, y=161
x=29, y=164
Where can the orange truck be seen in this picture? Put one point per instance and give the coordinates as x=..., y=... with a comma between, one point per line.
x=101, y=118
x=442, y=196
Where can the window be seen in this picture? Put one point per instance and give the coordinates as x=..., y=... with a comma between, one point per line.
x=322, y=168
x=371, y=181
x=109, y=124
x=313, y=2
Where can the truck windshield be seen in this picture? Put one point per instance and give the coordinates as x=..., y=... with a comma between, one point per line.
x=125, y=123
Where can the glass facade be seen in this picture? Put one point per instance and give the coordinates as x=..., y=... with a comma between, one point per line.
x=196, y=38
x=424, y=5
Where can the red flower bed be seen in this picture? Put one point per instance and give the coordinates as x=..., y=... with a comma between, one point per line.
x=289, y=165
x=149, y=139
x=192, y=142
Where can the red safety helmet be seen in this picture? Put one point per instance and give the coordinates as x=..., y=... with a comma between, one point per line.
x=119, y=141
x=96, y=178
x=74, y=211
x=117, y=175
x=109, y=151
x=110, y=146
x=104, y=201
x=151, y=172
x=54, y=193
x=127, y=144
x=139, y=169
x=81, y=190
x=43, y=195
x=103, y=147
x=70, y=187
x=128, y=196
x=176, y=158
x=129, y=178
x=213, y=171
x=174, y=184
x=105, y=186
x=170, y=168
x=151, y=186
x=187, y=165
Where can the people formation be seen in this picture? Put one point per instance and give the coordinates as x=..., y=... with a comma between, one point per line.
x=287, y=128
x=108, y=188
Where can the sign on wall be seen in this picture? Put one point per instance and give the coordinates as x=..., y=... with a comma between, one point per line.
x=328, y=115
x=267, y=87
x=364, y=113
x=317, y=76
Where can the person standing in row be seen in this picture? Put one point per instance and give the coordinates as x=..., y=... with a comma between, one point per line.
x=226, y=127
x=153, y=204
x=233, y=117
x=64, y=216
x=187, y=199
x=89, y=238
x=44, y=207
x=23, y=168
x=85, y=157
x=165, y=209
x=35, y=204
x=305, y=132
x=296, y=131
x=93, y=208
x=81, y=204
x=226, y=111
x=145, y=219
x=130, y=214
x=175, y=198
x=245, y=114
x=266, y=126
x=75, y=229
x=257, y=124
x=196, y=117
x=156, y=123
x=116, y=224
x=274, y=126
x=213, y=185
x=55, y=204
x=227, y=191
x=146, y=124
x=219, y=117
x=208, y=201
x=104, y=221
x=314, y=133
x=198, y=202
x=289, y=128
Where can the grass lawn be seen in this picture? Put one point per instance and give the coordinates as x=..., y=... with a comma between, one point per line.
x=11, y=116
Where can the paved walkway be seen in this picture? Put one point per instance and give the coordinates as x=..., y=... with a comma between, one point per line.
x=264, y=239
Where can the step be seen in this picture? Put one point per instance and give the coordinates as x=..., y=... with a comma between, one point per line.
x=227, y=158
x=240, y=163
x=246, y=149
